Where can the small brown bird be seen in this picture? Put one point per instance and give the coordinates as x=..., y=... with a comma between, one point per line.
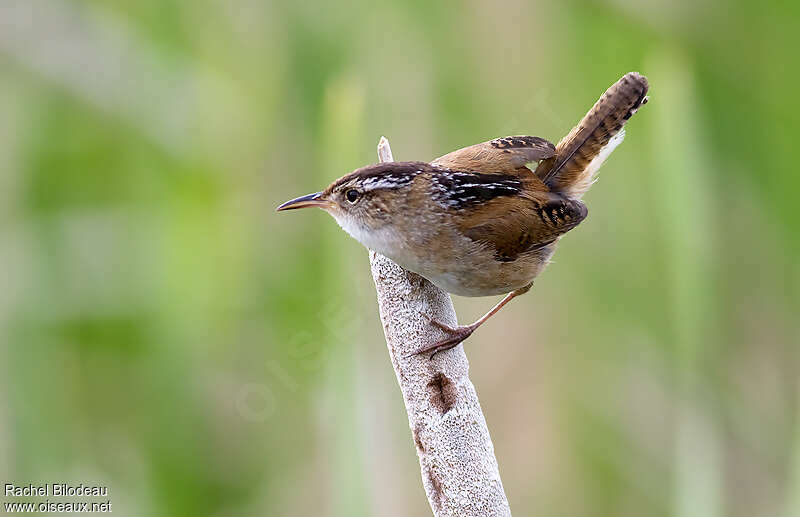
x=479, y=221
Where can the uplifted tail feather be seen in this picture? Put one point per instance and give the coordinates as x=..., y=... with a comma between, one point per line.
x=581, y=153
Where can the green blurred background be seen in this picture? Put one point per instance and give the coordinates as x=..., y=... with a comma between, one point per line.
x=165, y=333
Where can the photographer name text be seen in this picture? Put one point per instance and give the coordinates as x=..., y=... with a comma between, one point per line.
x=55, y=490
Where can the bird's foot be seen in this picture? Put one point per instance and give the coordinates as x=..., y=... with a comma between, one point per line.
x=455, y=336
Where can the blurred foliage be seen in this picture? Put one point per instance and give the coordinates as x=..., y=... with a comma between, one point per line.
x=165, y=333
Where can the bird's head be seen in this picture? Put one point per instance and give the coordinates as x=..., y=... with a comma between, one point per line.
x=364, y=201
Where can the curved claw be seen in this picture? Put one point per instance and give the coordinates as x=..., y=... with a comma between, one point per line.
x=457, y=335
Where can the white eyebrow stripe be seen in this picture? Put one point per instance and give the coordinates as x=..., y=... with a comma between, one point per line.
x=386, y=182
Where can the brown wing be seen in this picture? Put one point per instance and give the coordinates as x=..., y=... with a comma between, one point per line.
x=501, y=155
x=516, y=225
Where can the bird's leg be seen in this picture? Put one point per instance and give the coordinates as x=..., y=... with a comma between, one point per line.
x=462, y=332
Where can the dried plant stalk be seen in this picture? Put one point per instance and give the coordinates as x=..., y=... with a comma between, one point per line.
x=456, y=455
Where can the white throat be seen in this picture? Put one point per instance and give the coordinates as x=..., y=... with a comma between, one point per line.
x=383, y=240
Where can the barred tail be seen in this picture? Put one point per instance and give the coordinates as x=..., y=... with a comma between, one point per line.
x=581, y=153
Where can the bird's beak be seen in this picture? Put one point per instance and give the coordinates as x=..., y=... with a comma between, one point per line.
x=314, y=199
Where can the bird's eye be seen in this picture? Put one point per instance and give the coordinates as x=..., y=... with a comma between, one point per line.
x=351, y=195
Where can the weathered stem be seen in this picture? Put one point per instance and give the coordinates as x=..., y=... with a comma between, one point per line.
x=456, y=455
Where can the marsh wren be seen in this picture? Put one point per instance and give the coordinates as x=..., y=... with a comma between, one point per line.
x=482, y=220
